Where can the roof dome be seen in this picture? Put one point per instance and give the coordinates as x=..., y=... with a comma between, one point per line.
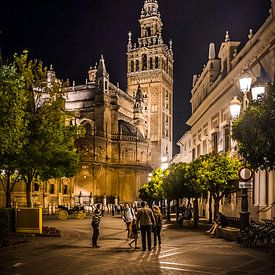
x=128, y=129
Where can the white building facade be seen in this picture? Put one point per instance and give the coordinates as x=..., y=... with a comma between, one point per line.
x=210, y=121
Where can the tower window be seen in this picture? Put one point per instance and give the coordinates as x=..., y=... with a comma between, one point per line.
x=144, y=62
x=148, y=31
x=137, y=65
x=132, y=66
x=157, y=62
x=151, y=63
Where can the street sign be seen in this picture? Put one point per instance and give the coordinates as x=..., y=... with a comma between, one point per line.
x=245, y=174
x=245, y=184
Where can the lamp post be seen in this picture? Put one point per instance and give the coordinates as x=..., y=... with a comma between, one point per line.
x=245, y=174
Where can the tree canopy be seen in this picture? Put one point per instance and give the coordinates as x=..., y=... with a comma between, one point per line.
x=47, y=147
x=218, y=174
x=255, y=132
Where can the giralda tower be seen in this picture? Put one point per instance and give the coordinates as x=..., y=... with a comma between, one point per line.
x=150, y=70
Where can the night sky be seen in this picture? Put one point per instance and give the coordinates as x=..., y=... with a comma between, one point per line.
x=72, y=35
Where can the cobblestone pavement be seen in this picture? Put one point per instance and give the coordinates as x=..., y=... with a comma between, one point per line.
x=182, y=252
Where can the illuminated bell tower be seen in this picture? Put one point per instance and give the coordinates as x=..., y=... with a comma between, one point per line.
x=150, y=67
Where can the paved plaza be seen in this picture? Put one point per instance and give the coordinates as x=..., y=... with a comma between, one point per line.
x=183, y=252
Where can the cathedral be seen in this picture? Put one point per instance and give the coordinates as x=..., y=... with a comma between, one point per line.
x=127, y=133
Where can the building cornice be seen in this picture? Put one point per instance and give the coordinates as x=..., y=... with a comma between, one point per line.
x=251, y=57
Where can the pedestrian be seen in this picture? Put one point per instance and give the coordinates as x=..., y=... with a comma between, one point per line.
x=134, y=234
x=113, y=210
x=96, y=216
x=189, y=210
x=220, y=221
x=128, y=217
x=145, y=220
x=158, y=225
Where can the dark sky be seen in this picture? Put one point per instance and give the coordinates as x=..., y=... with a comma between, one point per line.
x=71, y=35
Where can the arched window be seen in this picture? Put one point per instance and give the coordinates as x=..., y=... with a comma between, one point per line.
x=144, y=62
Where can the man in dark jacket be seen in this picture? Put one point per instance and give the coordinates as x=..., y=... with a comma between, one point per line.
x=145, y=220
x=95, y=224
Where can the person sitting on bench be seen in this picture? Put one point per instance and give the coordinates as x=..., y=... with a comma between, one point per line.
x=220, y=221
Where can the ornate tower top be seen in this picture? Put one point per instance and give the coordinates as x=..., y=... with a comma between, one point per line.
x=150, y=8
x=150, y=21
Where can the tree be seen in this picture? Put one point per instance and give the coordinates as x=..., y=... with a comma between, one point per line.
x=255, y=132
x=195, y=187
x=49, y=150
x=218, y=174
x=153, y=190
x=175, y=183
x=12, y=126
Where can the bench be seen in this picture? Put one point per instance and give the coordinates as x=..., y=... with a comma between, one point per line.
x=228, y=233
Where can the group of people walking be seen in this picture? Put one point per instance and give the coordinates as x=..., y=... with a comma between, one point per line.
x=147, y=220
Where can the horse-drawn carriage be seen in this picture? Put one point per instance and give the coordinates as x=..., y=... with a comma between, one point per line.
x=63, y=212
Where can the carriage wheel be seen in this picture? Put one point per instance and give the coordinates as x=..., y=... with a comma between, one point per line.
x=63, y=215
x=79, y=215
x=88, y=214
x=57, y=214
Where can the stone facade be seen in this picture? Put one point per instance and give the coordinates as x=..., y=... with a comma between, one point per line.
x=127, y=133
x=210, y=122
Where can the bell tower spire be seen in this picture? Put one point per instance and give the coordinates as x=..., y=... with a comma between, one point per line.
x=150, y=73
x=150, y=20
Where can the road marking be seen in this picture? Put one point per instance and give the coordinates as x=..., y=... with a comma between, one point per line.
x=186, y=270
x=189, y=265
x=169, y=255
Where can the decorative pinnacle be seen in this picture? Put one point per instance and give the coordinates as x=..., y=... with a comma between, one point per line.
x=130, y=35
x=171, y=44
x=250, y=35
x=227, y=37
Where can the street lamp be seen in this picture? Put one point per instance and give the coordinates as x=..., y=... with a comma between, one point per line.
x=257, y=91
x=235, y=109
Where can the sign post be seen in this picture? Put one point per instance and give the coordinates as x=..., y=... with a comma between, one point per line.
x=245, y=176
